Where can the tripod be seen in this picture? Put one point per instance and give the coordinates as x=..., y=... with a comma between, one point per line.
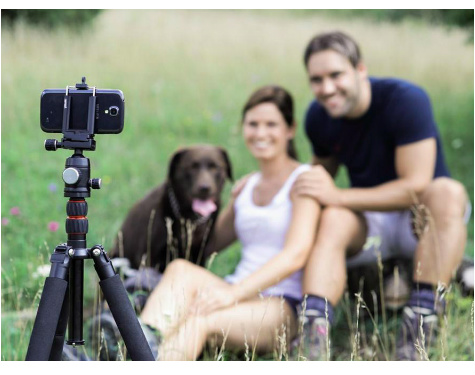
x=61, y=303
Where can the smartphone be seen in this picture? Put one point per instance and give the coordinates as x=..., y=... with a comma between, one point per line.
x=109, y=110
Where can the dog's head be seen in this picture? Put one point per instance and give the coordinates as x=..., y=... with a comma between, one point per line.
x=197, y=175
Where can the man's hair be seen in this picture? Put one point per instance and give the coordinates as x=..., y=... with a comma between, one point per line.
x=336, y=41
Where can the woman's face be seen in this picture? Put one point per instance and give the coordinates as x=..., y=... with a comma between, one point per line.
x=265, y=131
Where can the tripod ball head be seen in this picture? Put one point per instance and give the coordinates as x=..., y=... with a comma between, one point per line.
x=76, y=177
x=71, y=176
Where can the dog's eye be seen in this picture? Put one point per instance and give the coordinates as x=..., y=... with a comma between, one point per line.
x=212, y=166
x=195, y=166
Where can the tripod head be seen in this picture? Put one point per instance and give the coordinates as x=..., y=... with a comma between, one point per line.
x=76, y=138
x=76, y=175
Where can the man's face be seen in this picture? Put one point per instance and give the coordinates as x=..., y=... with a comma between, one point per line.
x=336, y=84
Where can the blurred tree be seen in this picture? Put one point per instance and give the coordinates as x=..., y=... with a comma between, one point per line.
x=50, y=18
x=457, y=17
x=462, y=18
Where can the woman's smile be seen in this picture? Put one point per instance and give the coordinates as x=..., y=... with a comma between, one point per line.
x=265, y=131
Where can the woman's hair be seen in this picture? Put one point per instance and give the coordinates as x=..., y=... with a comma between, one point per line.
x=336, y=41
x=283, y=101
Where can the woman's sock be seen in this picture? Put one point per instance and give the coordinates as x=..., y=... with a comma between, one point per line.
x=318, y=307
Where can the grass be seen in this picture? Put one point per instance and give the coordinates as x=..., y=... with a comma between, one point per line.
x=185, y=76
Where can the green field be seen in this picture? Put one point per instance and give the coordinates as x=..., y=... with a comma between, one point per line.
x=185, y=76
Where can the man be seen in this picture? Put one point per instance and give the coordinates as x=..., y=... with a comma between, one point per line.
x=384, y=132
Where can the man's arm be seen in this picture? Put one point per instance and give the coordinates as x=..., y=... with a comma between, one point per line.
x=414, y=166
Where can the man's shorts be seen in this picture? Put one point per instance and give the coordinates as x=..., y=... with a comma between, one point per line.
x=390, y=234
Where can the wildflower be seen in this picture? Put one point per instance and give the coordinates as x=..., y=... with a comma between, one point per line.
x=5, y=221
x=457, y=143
x=15, y=211
x=42, y=271
x=53, y=226
x=52, y=187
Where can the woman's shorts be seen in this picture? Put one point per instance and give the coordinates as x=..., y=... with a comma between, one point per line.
x=293, y=303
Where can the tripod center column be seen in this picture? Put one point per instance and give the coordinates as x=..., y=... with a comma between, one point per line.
x=76, y=228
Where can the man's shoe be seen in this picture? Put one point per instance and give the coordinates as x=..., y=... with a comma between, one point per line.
x=105, y=337
x=71, y=353
x=154, y=338
x=417, y=334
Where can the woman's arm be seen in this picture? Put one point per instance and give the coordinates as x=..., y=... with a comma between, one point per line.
x=298, y=243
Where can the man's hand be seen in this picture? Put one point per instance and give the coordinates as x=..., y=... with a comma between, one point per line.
x=318, y=184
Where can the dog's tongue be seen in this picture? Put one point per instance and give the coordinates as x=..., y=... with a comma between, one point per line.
x=204, y=208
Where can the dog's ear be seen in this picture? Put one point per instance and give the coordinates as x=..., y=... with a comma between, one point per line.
x=174, y=161
x=229, y=171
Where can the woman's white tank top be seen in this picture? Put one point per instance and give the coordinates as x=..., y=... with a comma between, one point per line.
x=262, y=231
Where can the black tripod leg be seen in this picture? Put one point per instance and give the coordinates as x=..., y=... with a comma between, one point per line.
x=127, y=322
x=121, y=308
x=52, y=310
x=58, y=342
x=47, y=318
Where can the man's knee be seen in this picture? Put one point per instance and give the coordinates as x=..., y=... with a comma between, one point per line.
x=445, y=195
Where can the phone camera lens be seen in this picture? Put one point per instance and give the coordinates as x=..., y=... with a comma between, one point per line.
x=113, y=111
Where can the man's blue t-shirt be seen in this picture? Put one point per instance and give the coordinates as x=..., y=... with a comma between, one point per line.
x=400, y=113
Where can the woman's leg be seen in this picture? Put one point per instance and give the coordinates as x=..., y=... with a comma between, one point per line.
x=260, y=325
x=170, y=301
x=340, y=232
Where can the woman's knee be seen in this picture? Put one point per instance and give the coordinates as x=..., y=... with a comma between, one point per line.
x=337, y=220
x=334, y=215
x=180, y=268
x=341, y=228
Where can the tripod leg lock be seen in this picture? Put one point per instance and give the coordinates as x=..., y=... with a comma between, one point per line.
x=102, y=263
x=60, y=262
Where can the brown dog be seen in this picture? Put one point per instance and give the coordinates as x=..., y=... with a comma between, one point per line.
x=176, y=219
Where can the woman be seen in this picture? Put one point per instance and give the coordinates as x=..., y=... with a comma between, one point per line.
x=257, y=304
